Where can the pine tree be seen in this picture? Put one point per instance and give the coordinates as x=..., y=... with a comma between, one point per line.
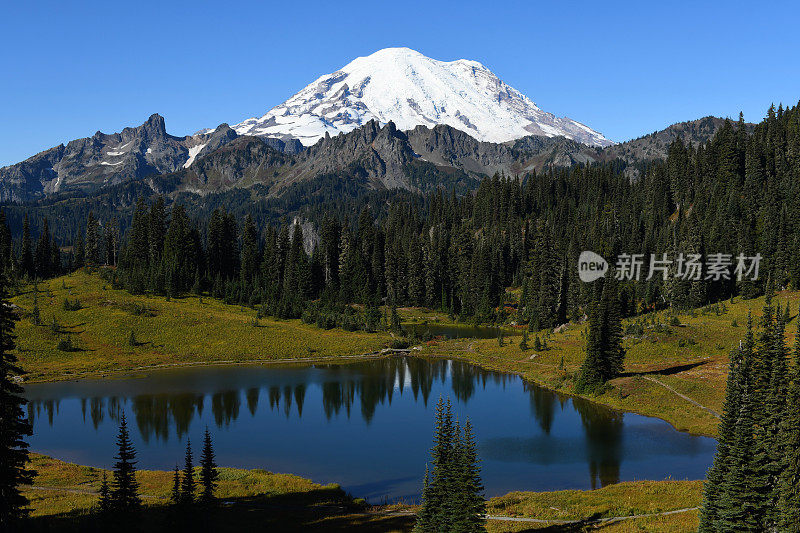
x=208, y=470
x=125, y=487
x=26, y=255
x=714, y=490
x=432, y=517
x=104, y=502
x=523, y=344
x=14, y=427
x=78, y=252
x=789, y=503
x=452, y=496
x=249, y=250
x=604, y=352
x=6, y=246
x=175, y=495
x=187, y=482
x=92, y=241
x=44, y=253
x=470, y=504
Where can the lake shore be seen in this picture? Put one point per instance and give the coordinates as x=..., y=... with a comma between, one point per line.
x=676, y=373
x=63, y=496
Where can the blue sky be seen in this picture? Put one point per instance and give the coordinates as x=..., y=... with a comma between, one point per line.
x=625, y=69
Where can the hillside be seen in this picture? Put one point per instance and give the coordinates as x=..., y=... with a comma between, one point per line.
x=664, y=361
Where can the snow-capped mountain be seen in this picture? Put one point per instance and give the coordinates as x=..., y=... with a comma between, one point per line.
x=410, y=89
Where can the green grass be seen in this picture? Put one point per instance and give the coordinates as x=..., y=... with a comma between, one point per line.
x=167, y=332
x=64, y=496
x=691, y=358
x=621, y=499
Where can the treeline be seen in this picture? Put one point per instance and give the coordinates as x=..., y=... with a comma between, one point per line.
x=754, y=484
x=29, y=260
x=736, y=194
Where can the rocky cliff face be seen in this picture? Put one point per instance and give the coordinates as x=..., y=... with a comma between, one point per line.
x=379, y=157
x=92, y=162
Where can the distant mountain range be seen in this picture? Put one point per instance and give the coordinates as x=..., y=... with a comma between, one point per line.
x=392, y=120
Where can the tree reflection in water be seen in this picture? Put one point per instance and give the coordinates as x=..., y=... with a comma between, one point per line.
x=353, y=417
x=371, y=384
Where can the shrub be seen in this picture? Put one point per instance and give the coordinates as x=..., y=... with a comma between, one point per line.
x=400, y=344
x=72, y=306
x=65, y=345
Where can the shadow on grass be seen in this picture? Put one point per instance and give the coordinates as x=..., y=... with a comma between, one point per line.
x=324, y=509
x=668, y=371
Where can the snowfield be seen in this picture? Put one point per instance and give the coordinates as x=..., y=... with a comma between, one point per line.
x=410, y=89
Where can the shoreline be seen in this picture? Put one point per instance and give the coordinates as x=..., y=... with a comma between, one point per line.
x=350, y=359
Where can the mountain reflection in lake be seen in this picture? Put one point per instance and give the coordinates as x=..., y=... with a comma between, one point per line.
x=366, y=425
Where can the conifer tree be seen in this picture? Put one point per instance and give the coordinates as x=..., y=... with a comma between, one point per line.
x=249, y=250
x=604, y=352
x=208, y=470
x=92, y=241
x=14, y=426
x=78, y=252
x=789, y=502
x=44, y=253
x=26, y=255
x=470, y=505
x=6, y=247
x=104, y=502
x=714, y=488
x=452, y=496
x=175, y=494
x=523, y=344
x=187, y=481
x=125, y=487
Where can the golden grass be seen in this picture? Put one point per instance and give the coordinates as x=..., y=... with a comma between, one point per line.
x=178, y=331
x=691, y=358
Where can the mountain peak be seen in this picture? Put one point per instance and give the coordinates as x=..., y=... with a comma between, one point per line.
x=410, y=89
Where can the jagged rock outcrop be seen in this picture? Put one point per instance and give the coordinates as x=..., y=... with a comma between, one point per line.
x=100, y=160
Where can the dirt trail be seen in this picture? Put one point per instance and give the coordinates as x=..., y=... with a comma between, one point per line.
x=701, y=406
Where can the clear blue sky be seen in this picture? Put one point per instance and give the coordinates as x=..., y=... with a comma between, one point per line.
x=69, y=69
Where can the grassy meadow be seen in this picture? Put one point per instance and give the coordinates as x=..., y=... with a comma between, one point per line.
x=165, y=332
x=689, y=356
x=64, y=497
x=675, y=369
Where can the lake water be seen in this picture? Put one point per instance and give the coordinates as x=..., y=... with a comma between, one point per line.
x=367, y=426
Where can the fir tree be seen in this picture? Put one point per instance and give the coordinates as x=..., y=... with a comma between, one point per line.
x=470, y=505
x=604, y=352
x=175, y=494
x=26, y=255
x=14, y=427
x=208, y=470
x=92, y=241
x=44, y=253
x=789, y=502
x=452, y=496
x=714, y=490
x=78, y=253
x=104, y=502
x=125, y=487
x=523, y=344
x=187, y=481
